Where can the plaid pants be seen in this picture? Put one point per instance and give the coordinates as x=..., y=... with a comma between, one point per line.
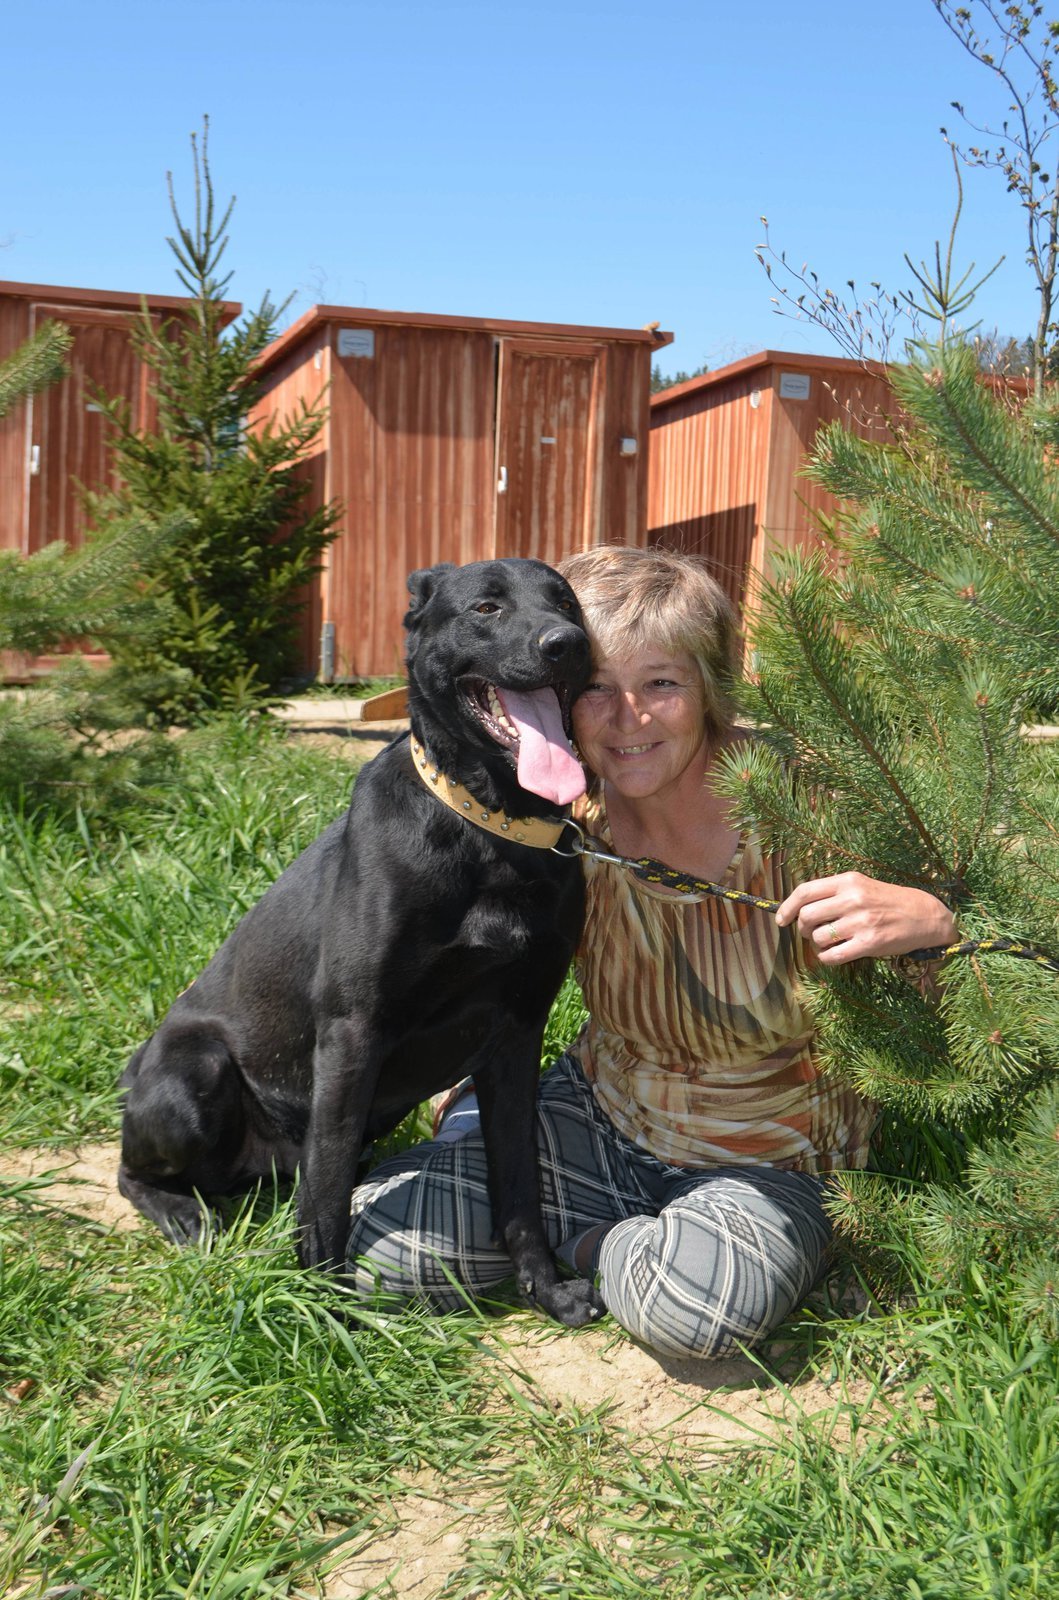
x=699, y=1261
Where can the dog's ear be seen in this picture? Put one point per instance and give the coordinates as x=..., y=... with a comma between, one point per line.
x=421, y=584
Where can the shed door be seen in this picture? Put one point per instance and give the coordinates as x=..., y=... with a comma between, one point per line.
x=545, y=449
x=67, y=443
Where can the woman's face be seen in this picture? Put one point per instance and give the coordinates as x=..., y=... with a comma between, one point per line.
x=640, y=724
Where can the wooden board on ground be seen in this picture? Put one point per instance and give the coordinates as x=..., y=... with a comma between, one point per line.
x=386, y=706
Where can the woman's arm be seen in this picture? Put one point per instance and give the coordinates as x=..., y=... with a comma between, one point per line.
x=850, y=916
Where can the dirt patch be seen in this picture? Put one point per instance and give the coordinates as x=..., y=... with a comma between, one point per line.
x=698, y=1408
x=83, y=1181
x=428, y=1541
x=353, y=741
x=691, y=1411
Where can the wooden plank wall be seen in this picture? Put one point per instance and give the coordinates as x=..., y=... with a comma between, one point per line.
x=707, y=476
x=411, y=457
x=70, y=434
x=859, y=400
x=14, y=328
x=411, y=452
x=301, y=378
x=727, y=457
x=625, y=414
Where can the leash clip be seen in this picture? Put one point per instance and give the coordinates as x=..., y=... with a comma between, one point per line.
x=580, y=845
x=577, y=844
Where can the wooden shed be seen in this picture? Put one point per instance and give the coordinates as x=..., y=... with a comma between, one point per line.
x=54, y=444
x=456, y=439
x=727, y=449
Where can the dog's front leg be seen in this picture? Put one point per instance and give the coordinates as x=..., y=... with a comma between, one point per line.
x=507, y=1097
x=345, y=1071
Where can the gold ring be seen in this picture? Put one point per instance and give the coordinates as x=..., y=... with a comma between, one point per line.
x=833, y=931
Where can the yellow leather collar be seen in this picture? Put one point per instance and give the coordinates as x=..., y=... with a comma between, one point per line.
x=537, y=832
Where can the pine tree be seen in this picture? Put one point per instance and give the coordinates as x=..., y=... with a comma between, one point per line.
x=661, y=381
x=59, y=595
x=250, y=544
x=895, y=678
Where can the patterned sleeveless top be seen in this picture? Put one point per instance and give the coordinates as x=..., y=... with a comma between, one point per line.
x=698, y=1047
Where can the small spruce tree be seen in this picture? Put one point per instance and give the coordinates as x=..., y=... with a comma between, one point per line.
x=58, y=596
x=894, y=681
x=51, y=739
x=250, y=545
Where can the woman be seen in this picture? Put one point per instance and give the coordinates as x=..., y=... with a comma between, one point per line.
x=685, y=1135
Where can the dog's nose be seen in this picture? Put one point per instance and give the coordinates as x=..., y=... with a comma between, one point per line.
x=561, y=641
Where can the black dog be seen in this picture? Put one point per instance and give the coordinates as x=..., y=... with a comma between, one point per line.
x=407, y=946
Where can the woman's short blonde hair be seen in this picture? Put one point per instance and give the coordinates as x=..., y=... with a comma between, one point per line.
x=632, y=598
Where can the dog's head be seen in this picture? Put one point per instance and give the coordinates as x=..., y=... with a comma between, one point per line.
x=496, y=657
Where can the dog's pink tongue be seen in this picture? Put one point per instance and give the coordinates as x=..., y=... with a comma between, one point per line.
x=546, y=764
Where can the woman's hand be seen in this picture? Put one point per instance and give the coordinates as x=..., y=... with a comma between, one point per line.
x=851, y=916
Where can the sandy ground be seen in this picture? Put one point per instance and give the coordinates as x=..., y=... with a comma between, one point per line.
x=316, y=722
x=81, y=1180
x=687, y=1411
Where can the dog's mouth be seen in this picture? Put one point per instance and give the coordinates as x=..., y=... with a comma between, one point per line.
x=532, y=727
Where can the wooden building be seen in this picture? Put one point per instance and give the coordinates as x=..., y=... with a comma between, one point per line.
x=726, y=454
x=456, y=439
x=54, y=444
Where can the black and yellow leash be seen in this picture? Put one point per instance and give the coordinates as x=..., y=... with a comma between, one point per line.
x=651, y=871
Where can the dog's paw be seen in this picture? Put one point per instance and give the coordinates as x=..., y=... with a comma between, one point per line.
x=314, y=1256
x=188, y=1224
x=573, y=1303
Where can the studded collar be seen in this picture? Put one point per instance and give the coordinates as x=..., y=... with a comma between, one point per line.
x=538, y=832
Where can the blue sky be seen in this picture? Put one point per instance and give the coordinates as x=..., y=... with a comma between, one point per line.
x=602, y=163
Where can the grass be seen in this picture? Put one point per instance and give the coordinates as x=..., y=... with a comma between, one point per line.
x=210, y=1423
x=107, y=924
x=207, y=1422
x=931, y=1474
x=351, y=688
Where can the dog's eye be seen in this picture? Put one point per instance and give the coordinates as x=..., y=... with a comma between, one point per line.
x=565, y=605
x=486, y=608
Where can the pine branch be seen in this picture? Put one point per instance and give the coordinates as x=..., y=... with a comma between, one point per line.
x=756, y=805
x=989, y=453
x=887, y=485
x=35, y=365
x=56, y=595
x=859, y=734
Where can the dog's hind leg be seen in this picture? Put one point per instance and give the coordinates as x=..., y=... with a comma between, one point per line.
x=507, y=1096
